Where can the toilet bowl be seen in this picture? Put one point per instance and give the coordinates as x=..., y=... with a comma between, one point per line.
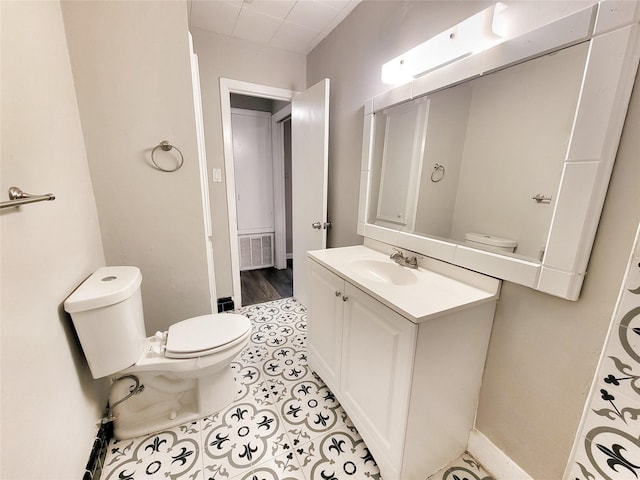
x=161, y=381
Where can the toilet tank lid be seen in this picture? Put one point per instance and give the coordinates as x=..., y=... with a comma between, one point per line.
x=106, y=286
x=490, y=240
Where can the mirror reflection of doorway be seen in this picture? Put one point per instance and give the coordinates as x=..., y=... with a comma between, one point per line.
x=262, y=181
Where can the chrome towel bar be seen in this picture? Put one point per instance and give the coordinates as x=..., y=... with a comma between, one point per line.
x=17, y=197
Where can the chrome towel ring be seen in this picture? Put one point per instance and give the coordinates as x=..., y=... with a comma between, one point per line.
x=166, y=147
x=438, y=173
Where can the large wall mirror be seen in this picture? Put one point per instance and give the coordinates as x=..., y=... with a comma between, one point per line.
x=515, y=145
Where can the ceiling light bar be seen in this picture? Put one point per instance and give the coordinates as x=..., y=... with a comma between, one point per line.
x=473, y=35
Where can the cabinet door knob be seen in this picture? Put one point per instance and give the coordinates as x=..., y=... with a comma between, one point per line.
x=317, y=225
x=345, y=298
x=338, y=293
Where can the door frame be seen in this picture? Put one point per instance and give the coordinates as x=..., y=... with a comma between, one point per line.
x=279, y=184
x=227, y=87
x=202, y=165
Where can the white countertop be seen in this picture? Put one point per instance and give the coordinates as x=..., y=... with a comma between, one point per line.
x=417, y=294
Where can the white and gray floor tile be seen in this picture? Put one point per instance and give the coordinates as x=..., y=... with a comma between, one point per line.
x=285, y=423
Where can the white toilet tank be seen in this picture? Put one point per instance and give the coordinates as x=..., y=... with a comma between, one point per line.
x=106, y=310
x=490, y=242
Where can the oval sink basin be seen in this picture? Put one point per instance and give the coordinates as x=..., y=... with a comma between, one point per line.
x=384, y=272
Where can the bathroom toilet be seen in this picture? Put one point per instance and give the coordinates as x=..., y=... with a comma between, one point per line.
x=490, y=242
x=161, y=381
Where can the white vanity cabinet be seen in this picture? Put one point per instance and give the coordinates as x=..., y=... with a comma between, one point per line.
x=363, y=350
x=326, y=307
x=378, y=347
x=409, y=383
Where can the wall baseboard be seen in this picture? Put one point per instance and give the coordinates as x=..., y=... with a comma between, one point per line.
x=493, y=459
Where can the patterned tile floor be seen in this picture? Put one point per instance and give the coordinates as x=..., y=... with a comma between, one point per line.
x=285, y=424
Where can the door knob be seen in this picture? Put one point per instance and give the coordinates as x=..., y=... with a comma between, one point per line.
x=326, y=225
x=317, y=225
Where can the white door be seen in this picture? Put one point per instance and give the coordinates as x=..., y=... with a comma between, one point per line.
x=253, y=170
x=310, y=154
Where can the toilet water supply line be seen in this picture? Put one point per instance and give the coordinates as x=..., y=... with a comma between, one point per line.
x=135, y=389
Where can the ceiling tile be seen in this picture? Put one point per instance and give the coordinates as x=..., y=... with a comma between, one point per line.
x=306, y=22
x=255, y=26
x=312, y=14
x=219, y=17
x=294, y=38
x=274, y=8
x=352, y=4
x=329, y=27
x=337, y=4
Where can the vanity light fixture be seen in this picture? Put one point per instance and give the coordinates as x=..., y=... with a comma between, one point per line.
x=473, y=35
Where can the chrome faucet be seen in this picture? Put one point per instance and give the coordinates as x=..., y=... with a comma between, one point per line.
x=411, y=262
x=398, y=257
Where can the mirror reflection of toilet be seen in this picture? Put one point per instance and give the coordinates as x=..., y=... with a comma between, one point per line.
x=490, y=243
x=161, y=381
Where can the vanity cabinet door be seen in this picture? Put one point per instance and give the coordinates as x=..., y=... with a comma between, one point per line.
x=377, y=360
x=324, y=323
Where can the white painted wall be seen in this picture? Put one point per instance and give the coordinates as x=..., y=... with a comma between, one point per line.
x=132, y=74
x=543, y=350
x=50, y=403
x=227, y=57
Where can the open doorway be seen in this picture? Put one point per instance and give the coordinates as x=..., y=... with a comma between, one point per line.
x=309, y=174
x=261, y=139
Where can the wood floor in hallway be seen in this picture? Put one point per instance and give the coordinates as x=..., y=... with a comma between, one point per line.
x=266, y=284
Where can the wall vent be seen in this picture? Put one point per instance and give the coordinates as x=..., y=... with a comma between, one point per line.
x=256, y=251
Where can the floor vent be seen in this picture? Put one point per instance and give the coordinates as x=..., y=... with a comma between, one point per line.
x=256, y=251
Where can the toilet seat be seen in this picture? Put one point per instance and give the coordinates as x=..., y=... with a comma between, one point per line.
x=206, y=334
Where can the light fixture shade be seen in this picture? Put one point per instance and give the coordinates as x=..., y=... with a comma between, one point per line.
x=473, y=35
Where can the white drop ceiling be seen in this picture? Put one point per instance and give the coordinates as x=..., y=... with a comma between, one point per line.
x=292, y=25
